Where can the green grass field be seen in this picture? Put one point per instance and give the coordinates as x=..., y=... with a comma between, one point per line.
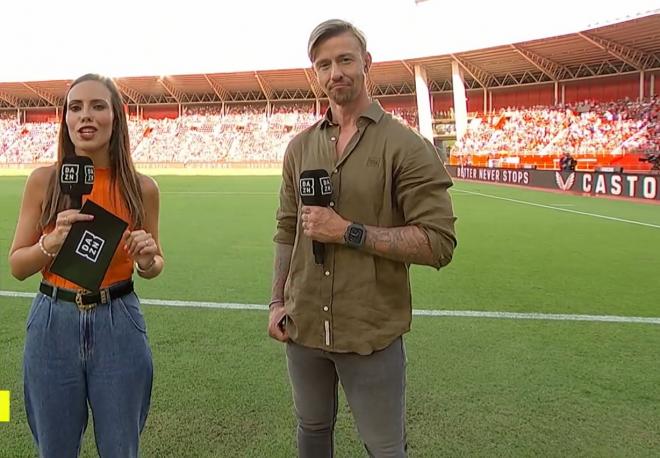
x=476, y=386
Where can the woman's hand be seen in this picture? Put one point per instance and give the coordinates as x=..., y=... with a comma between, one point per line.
x=53, y=242
x=142, y=247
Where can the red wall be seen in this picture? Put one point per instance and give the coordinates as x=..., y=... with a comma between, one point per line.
x=406, y=101
x=598, y=89
x=528, y=96
x=160, y=112
x=475, y=100
x=602, y=89
x=442, y=102
x=46, y=115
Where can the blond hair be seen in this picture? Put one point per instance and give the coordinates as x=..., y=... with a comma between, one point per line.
x=329, y=29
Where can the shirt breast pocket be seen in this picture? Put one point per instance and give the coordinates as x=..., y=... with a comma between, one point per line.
x=365, y=193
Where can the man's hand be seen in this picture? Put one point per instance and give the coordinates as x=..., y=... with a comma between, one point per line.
x=275, y=316
x=323, y=224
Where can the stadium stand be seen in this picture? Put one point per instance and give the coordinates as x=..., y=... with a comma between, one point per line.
x=591, y=131
x=591, y=94
x=587, y=130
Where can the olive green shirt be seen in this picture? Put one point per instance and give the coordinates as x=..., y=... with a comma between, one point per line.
x=388, y=176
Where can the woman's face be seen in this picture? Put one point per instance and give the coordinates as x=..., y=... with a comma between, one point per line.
x=89, y=118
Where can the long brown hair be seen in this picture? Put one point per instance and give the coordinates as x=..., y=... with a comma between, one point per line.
x=122, y=170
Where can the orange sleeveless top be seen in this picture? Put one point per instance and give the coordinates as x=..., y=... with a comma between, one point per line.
x=121, y=266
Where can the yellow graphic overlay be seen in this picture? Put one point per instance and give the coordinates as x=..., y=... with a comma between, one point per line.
x=4, y=406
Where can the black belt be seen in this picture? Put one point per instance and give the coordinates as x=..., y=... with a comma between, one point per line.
x=86, y=300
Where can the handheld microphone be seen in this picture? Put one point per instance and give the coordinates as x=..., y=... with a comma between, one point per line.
x=76, y=178
x=316, y=190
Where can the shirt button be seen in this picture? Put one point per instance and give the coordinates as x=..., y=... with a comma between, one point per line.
x=332, y=139
x=327, y=273
x=325, y=308
x=332, y=204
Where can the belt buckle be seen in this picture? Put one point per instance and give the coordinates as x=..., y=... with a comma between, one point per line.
x=83, y=307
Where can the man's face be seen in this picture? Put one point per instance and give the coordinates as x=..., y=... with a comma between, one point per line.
x=341, y=68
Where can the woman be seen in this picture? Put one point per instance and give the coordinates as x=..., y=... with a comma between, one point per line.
x=96, y=352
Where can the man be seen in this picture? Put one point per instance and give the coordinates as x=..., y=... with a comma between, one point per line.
x=343, y=319
x=567, y=163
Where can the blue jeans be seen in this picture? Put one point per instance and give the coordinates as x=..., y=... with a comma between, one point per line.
x=99, y=356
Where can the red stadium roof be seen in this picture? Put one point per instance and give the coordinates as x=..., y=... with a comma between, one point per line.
x=625, y=47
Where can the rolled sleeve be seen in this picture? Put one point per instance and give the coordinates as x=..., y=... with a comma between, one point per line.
x=287, y=212
x=422, y=194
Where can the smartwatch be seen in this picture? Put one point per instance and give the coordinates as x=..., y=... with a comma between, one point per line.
x=355, y=235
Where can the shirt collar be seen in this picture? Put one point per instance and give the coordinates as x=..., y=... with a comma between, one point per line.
x=374, y=112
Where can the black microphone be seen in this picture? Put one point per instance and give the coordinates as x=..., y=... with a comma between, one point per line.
x=316, y=190
x=76, y=178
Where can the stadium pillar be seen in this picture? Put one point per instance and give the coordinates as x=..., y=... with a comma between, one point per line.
x=641, y=86
x=460, y=106
x=423, y=103
x=485, y=100
x=556, y=92
x=563, y=94
x=490, y=102
x=652, y=86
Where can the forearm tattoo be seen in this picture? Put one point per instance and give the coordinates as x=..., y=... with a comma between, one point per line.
x=408, y=244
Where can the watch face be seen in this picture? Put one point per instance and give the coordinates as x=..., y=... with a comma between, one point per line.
x=355, y=234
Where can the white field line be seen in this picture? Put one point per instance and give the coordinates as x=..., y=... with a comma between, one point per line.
x=417, y=312
x=567, y=210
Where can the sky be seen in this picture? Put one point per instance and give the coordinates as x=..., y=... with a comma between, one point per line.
x=63, y=39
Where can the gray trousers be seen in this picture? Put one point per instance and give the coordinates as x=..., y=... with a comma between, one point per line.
x=375, y=389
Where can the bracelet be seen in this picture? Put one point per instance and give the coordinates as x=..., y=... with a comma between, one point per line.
x=275, y=301
x=142, y=271
x=43, y=250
